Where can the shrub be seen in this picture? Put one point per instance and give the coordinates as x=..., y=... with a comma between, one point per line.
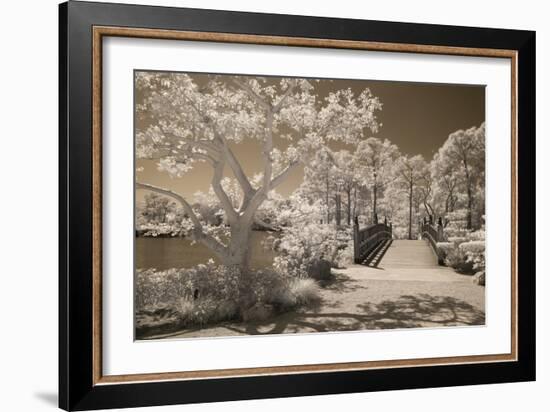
x=200, y=295
x=456, y=259
x=476, y=235
x=473, y=246
x=474, y=251
x=205, y=294
x=168, y=287
x=300, y=247
x=464, y=256
x=457, y=239
x=445, y=247
x=320, y=270
x=344, y=255
x=155, y=288
x=265, y=286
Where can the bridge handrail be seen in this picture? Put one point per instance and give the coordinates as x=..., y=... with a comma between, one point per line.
x=366, y=239
x=434, y=234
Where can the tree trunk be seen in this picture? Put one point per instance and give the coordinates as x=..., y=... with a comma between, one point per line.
x=470, y=207
x=338, y=201
x=374, y=201
x=327, y=200
x=469, y=191
x=410, y=208
x=239, y=246
x=429, y=210
x=349, y=206
x=354, y=202
x=238, y=259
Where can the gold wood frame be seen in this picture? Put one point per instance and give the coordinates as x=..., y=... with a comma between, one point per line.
x=101, y=31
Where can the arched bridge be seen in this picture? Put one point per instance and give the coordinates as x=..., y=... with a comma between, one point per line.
x=374, y=244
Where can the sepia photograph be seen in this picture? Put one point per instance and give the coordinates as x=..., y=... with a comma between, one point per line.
x=284, y=205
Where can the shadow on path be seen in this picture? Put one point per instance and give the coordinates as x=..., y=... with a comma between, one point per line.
x=341, y=283
x=408, y=311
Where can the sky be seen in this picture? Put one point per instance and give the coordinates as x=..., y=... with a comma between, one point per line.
x=417, y=117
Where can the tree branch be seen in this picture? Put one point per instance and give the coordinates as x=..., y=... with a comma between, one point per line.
x=238, y=171
x=261, y=194
x=186, y=206
x=266, y=225
x=220, y=193
x=246, y=88
x=200, y=235
x=268, y=147
x=287, y=93
x=283, y=175
x=232, y=160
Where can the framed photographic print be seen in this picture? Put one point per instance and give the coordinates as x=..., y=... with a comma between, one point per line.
x=257, y=205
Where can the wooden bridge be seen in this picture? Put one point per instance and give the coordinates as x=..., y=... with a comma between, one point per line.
x=374, y=242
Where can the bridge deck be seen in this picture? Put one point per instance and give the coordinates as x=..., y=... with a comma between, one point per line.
x=406, y=260
x=409, y=253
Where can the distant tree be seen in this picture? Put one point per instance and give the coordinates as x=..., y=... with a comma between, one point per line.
x=409, y=173
x=426, y=192
x=395, y=209
x=320, y=176
x=464, y=151
x=446, y=183
x=156, y=208
x=376, y=158
x=347, y=180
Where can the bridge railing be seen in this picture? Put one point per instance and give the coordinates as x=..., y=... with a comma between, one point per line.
x=366, y=239
x=434, y=234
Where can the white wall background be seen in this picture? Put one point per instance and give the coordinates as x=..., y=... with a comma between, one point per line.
x=28, y=203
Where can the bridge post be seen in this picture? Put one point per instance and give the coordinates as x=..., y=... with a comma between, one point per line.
x=356, y=248
x=440, y=233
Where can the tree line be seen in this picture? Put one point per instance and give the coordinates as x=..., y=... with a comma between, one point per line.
x=376, y=181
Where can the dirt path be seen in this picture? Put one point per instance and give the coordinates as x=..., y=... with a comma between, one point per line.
x=407, y=290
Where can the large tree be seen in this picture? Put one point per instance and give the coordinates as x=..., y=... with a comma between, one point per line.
x=182, y=121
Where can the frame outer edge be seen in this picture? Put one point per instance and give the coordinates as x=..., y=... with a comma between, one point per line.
x=76, y=361
x=63, y=332
x=78, y=213
x=527, y=206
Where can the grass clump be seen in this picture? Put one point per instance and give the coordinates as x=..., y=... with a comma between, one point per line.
x=305, y=291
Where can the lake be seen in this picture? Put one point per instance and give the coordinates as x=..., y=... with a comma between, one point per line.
x=164, y=253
